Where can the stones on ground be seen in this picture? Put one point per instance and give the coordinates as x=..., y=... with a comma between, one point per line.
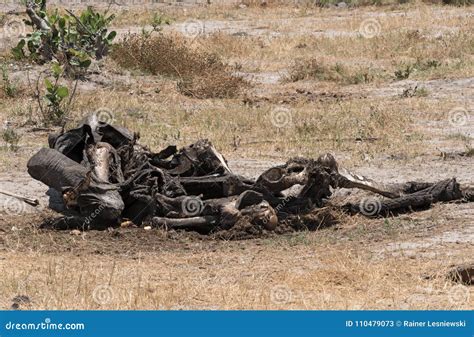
x=127, y=224
x=75, y=232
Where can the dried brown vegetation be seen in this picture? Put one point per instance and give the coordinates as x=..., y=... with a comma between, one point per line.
x=392, y=130
x=313, y=69
x=199, y=73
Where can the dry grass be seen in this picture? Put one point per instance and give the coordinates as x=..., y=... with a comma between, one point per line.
x=347, y=100
x=294, y=272
x=267, y=130
x=262, y=8
x=310, y=126
x=200, y=74
x=313, y=69
x=377, y=58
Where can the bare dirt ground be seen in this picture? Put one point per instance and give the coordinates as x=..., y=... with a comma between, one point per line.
x=387, y=128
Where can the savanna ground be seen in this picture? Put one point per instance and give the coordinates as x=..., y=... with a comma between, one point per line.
x=388, y=89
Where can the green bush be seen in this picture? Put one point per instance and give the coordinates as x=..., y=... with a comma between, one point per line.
x=56, y=99
x=11, y=138
x=73, y=41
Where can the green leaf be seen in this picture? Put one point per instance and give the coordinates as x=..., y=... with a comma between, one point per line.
x=74, y=62
x=21, y=44
x=62, y=23
x=63, y=92
x=111, y=36
x=17, y=51
x=18, y=54
x=47, y=99
x=85, y=63
x=48, y=84
x=74, y=52
x=56, y=68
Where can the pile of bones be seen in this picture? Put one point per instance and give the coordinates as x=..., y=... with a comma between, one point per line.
x=99, y=176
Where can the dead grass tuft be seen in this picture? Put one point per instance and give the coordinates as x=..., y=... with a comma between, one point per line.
x=200, y=73
x=314, y=69
x=211, y=86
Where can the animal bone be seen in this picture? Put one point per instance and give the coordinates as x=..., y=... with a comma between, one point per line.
x=29, y=201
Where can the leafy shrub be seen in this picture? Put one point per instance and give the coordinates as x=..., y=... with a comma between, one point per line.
x=56, y=100
x=8, y=87
x=199, y=73
x=73, y=41
x=158, y=20
x=11, y=137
